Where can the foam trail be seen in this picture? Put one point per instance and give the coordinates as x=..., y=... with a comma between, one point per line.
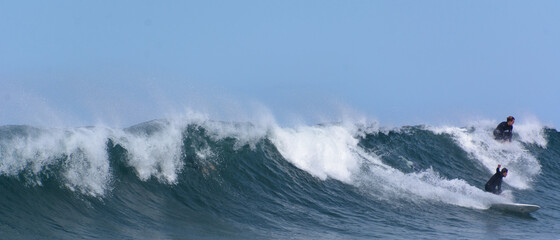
x=389, y=184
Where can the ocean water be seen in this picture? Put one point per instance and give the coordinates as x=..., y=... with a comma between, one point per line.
x=204, y=179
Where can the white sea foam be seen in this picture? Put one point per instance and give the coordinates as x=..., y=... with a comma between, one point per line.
x=81, y=154
x=323, y=151
x=87, y=167
x=81, y=151
x=156, y=153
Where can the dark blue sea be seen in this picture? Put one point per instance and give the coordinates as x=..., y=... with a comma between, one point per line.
x=201, y=179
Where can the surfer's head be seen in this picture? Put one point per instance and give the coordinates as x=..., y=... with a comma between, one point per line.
x=504, y=172
x=510, y=120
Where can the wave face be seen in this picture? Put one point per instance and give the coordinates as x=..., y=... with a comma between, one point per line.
x=201, y=179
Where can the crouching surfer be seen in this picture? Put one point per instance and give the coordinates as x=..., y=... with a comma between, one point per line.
x=504, y=130
x=494, y=185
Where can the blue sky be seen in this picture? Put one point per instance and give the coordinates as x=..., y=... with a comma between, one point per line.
x=399, y=62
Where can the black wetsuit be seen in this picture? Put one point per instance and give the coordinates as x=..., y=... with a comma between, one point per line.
x=494, y=185
x=503, y=132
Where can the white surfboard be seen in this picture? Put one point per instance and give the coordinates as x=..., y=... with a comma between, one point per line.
x=515, y=207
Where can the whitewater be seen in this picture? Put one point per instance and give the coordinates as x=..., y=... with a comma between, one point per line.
x=197, y=178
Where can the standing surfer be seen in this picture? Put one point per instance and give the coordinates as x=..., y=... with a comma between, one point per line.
x=494, y=185
x=504, y=130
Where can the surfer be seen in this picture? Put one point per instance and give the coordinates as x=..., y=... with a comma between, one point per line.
x=504, y=130
x=494, y=185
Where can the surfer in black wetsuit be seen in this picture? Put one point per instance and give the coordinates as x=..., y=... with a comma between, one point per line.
x=504, y=130
x=494, y=185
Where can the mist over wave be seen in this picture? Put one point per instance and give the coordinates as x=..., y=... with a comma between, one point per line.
x=260, y=177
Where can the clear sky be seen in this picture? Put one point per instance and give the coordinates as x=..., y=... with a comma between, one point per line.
x=400, y=62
